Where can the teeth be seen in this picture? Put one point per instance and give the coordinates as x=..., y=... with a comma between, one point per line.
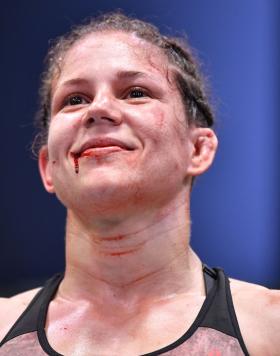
x=92, y=148
x=103, y=143
x=95, y=151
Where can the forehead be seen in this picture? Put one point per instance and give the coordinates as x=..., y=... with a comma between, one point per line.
x=116, y=51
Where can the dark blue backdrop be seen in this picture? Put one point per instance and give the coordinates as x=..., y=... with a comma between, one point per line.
x=235, y=206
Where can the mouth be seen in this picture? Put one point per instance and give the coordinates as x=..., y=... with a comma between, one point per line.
x=99, y=151
x=100, y=146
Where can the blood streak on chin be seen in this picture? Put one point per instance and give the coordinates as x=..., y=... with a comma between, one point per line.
x=75, y=157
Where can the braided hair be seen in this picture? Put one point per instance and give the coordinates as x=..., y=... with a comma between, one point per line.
x=187, y=76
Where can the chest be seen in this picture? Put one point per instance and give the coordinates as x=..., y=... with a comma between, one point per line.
x=203, y=342
x=78, y=331
x=171, y=329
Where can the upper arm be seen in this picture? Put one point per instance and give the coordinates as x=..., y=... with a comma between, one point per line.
x=267, y=321
x=258, y=313
x=12, y=308
x=5, y=316
x=271, y=319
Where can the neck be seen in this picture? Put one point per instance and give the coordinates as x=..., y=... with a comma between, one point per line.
x=142, y=259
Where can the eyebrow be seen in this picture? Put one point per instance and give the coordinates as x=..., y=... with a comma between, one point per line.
x=74, y=81
x=130, y=74
x=121, y=75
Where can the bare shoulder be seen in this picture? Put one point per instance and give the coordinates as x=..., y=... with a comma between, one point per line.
x=258, y=313
x=11, y=309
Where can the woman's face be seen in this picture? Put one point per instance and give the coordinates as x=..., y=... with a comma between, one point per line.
x=118, y=133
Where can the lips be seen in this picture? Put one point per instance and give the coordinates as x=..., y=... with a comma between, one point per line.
x=102, y=142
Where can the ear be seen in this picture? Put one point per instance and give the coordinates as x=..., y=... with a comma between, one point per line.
x=44, y=168
x=204, y=145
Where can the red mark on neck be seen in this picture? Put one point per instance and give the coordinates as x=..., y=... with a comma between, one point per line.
x=122, y=253
x=75, y=157
x=100, y=240
x=113, y=238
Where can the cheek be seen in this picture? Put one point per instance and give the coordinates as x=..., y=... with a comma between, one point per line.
x=160, y=122
x=61, y=133
x=170, y=131
x=152, y=124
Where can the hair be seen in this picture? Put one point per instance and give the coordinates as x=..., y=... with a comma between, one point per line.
x=188, y=78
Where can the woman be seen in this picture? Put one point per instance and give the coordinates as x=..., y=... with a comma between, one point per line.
x=125, y=129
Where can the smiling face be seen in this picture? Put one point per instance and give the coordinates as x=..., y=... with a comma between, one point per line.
x=118, y=135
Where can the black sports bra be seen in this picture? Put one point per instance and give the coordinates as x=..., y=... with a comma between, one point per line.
x=214, y=332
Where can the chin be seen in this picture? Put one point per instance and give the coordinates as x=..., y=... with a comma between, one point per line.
x=100, y=195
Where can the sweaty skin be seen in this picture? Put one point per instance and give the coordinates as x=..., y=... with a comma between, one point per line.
x=132, y=282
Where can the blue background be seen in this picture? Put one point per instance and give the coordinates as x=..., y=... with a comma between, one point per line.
x=235, y=206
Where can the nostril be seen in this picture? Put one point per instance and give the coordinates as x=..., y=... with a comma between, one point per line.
x=111, y=120
x=90, y=120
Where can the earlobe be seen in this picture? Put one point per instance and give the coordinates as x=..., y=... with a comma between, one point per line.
x=44, y=168
x=204, y=145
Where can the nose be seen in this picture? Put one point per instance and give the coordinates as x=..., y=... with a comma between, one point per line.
x=103, y=110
